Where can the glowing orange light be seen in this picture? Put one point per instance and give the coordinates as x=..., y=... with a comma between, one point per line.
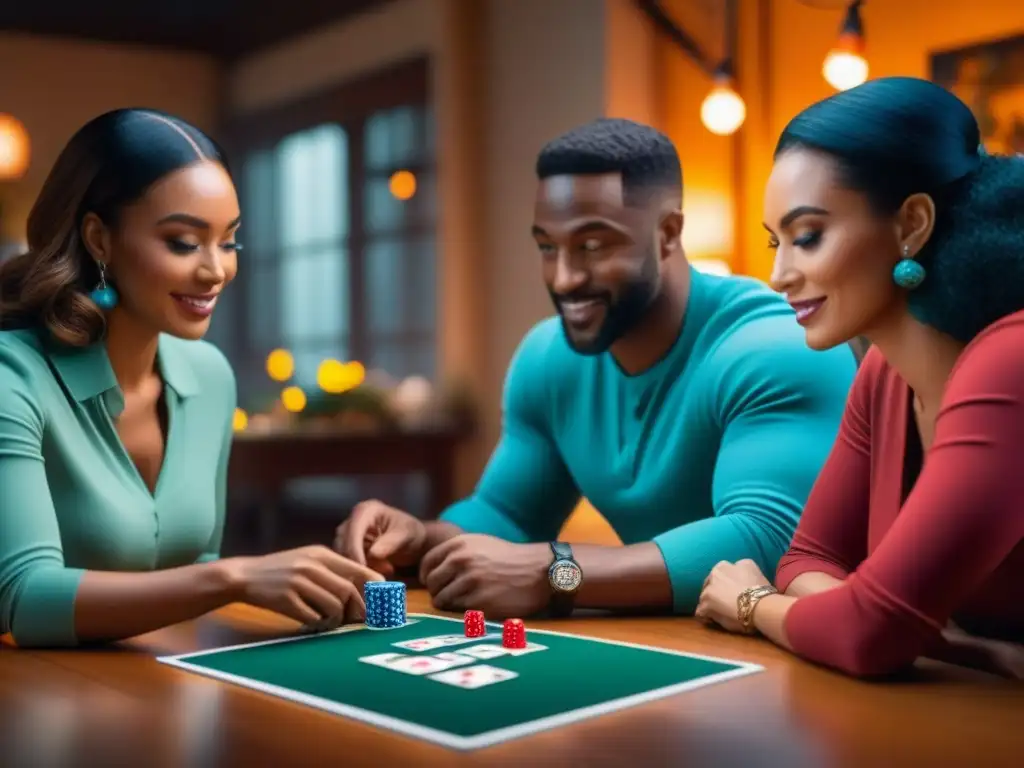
x=14, y=148
x=402, y=184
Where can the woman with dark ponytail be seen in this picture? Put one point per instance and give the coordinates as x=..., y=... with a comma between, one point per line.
x=890, y=222
x=115, y=419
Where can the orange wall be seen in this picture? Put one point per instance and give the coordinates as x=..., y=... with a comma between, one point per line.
x=782, y=46
x=61, y=84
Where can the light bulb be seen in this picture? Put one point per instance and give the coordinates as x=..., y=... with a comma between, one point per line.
x=723, y=111
x=844, y=69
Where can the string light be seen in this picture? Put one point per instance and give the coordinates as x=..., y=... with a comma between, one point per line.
x=293, y=399
x=240, y=420
x=280, y=365
x=723, y=110
x=845, y=66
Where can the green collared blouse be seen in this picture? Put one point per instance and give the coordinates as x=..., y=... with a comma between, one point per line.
x=72, y=500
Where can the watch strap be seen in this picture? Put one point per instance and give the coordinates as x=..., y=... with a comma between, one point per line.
x=562, y=550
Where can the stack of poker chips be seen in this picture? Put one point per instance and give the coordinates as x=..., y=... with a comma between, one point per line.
x=513, y=634
x=385, y=604
x=474, y=622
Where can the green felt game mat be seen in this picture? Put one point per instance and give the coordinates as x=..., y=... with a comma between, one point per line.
x=575, y=678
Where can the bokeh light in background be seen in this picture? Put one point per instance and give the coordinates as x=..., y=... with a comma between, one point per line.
x=293, y=399
x=335, y=377
x=845, y=68
x=402, y=185
x=240, y=420
x=723, y=110
x=14, y=148
x=280, y=365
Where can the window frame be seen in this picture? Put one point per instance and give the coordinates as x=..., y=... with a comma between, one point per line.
x=349, y=105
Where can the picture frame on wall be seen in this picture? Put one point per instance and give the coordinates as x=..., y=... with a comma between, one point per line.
x=989, y=78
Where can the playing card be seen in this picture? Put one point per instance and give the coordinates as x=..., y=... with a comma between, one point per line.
x=455, y=658
x=430, y=643
x=423, y=665
x=384, y=659
x=530, y=648
x=484, y=651
x=474, y=677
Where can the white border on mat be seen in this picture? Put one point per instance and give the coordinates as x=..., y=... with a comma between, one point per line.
x=451, y=740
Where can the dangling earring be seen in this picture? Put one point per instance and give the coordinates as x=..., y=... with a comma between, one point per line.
x=908, y=273
x=103, y=294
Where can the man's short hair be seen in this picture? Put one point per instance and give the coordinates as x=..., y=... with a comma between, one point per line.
x=644, y=157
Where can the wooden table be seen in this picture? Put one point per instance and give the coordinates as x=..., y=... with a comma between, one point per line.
x=119, y=707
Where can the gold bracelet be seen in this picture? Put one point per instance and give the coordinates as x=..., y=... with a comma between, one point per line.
x=747, y=602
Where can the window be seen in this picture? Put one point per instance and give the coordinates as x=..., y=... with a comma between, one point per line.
x=339, y=211
x=399, y=241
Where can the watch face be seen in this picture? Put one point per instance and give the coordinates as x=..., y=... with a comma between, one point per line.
x=566, y=576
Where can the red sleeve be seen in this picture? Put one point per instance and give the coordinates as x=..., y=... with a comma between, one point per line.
x=963, y=518
x=832, y=535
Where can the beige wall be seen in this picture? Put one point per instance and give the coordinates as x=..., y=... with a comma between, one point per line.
x=539, y=68
x=55, y=86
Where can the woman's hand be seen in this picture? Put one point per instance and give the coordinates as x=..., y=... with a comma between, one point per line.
x=312, y=585
x=722, y=588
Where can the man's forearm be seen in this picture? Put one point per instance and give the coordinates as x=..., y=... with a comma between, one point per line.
x=631, y=577
x=439, y=531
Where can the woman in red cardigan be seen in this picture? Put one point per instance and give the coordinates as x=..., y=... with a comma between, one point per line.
x=889, y=222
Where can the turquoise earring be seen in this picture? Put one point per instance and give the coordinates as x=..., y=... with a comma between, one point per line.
x=908, y=273
x=103, y=294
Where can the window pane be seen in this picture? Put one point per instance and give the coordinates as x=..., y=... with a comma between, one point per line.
x=405, y=358
x=429, y=134
x=422, y=298
x=314, y=294
x=385, y=262
x=263, y=295
x=258, y=197
x=386, y=213
x=308, y=359
x=395, y=138
x=400, y=285
x=313, y=169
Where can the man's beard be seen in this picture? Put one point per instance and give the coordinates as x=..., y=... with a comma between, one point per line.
x=621, y=316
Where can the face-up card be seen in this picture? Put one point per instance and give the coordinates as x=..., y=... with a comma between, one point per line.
x=455, y=658
x=474, y=677
x=430, y=643
x=484, y=651
x=530, y=648
x=422, y=665
x=383, y=659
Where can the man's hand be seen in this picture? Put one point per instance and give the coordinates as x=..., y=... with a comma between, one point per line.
x=381, y=537
x=473, y=571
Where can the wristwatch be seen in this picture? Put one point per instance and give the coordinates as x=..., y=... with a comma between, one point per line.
x=565, y=577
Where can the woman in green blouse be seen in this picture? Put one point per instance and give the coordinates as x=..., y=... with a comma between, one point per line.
x=115, y=419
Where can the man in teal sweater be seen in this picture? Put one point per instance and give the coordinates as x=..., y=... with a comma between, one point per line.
x=685, y=407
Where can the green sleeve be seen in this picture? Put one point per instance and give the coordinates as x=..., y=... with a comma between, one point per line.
x=37, y=592
x=778, y=405
x=526, y=492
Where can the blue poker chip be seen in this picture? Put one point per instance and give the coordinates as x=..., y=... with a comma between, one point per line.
x=385, y=604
